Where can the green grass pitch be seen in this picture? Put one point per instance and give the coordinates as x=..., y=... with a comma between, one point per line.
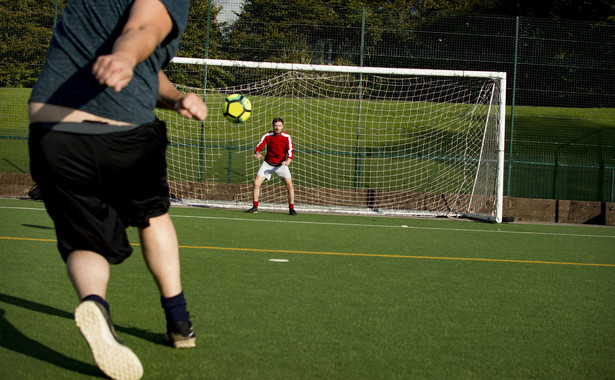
x=360, y=297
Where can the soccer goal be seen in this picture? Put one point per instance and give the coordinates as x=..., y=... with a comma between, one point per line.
x=367, y=140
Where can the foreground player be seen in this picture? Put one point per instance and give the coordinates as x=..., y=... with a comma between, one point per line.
x=279, y=155
x=98, y=155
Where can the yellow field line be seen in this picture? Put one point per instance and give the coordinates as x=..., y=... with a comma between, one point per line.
x=394, y=256
x=356, y=254
x=26, y=239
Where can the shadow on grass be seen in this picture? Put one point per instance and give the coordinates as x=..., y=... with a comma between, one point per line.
x=13, y=339
x=37, y=226
x=18, y=168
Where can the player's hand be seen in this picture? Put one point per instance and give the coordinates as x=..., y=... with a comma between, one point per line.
x=258, y=155
x=113, y=70
x=286, y=162
x=191, y=106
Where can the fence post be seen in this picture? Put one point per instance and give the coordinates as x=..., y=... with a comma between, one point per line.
x=512, y=108
x=202, y=142
x=230, y=163
x=358, y=163
x=55, y=15
x=613, y=184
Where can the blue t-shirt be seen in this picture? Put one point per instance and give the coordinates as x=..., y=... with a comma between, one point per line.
x=88, y=29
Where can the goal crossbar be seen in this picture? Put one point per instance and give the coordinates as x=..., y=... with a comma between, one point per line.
x=338, y=69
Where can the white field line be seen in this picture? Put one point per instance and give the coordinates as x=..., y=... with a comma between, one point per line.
x=286, y=221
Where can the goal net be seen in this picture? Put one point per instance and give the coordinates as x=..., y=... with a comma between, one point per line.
x=366, y=140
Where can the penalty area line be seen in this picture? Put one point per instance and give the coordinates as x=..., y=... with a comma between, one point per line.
x=424, y=228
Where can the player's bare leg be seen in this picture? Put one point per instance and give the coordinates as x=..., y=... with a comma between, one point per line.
x=89, y=273
x=256, y=192
x=258, y=181
x=161, y=254
x=290, y=190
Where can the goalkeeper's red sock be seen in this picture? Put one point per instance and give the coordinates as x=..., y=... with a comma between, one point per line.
x=291, y=206
x=255, y=204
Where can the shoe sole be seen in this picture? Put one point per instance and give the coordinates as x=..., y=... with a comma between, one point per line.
x=183, y=343
x=113, y=358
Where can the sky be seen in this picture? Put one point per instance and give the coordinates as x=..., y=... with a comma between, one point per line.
x=228, y=7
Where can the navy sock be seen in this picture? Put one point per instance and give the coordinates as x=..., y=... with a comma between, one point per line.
x=175, y=309
x=94, y=297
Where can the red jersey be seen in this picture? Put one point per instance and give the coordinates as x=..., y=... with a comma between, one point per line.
x=278, y=147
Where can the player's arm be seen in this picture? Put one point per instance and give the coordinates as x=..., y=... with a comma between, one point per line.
x=260, y=146
x=289, y=152
x=147, y=26
x=188, y=105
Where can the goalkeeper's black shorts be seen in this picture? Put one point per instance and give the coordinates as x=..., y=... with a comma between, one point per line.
x=96, y=180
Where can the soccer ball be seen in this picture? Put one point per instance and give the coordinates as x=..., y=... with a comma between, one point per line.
x=236, y=108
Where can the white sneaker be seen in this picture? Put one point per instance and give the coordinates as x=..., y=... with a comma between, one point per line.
x=111, y=355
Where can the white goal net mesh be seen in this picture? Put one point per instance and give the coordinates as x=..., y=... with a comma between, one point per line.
x=364, y=142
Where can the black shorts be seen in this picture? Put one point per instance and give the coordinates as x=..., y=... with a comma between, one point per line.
x=96, y=180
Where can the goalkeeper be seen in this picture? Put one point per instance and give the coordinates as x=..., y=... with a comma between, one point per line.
x=97, y=152
x=279, y=155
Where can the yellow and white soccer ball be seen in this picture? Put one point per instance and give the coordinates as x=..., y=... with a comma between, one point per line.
x=237, y=108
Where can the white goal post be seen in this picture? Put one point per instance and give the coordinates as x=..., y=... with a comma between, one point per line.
x=390, y=141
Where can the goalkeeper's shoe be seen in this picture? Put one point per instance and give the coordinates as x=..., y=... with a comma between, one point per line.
x=180, y=335
x=253, y=210
x=292, y=211
x=111, y=355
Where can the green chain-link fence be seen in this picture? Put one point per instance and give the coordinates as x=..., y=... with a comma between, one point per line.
x=561, y=75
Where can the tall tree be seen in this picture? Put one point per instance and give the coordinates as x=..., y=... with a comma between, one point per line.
x=200, y=42
x=298, y=31
x=582, y=10
x=196, y=41
x=26, y=27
